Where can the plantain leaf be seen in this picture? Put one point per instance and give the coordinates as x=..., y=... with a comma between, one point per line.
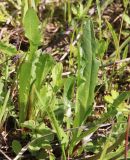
x=86, y=80
x=87, y=74
x=43, y=67
x=57, y=76
x=27, y=71
x=24, y=86
x=31, y=25
x=69, y=88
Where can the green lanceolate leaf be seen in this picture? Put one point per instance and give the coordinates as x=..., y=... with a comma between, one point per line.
x=24, y=87
x=87, y=74
x=31, y=26
x=86, y=79
x=57, y=76
x=69, y=88
x=43, y=67
x=7, y=49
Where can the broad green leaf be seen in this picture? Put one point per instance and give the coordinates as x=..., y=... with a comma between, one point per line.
x=24, y=87
x=31, y=101
x=59, y=113
x=39, y=143
x=31, y=26
x=86, y=79
x=87, y=74
x=16, y=146
x=38, y=129
x=25, y=5
x=43, y=130
x=46, y=94
x=7, y=49
x=30, y=124
x=57, y=75
x=69, y=88
x=43, y=66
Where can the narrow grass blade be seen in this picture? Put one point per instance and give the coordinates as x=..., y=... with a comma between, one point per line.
x=3, y=109
x=115, y=39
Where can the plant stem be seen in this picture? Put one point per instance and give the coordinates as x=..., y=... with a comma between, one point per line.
x=29, y=3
